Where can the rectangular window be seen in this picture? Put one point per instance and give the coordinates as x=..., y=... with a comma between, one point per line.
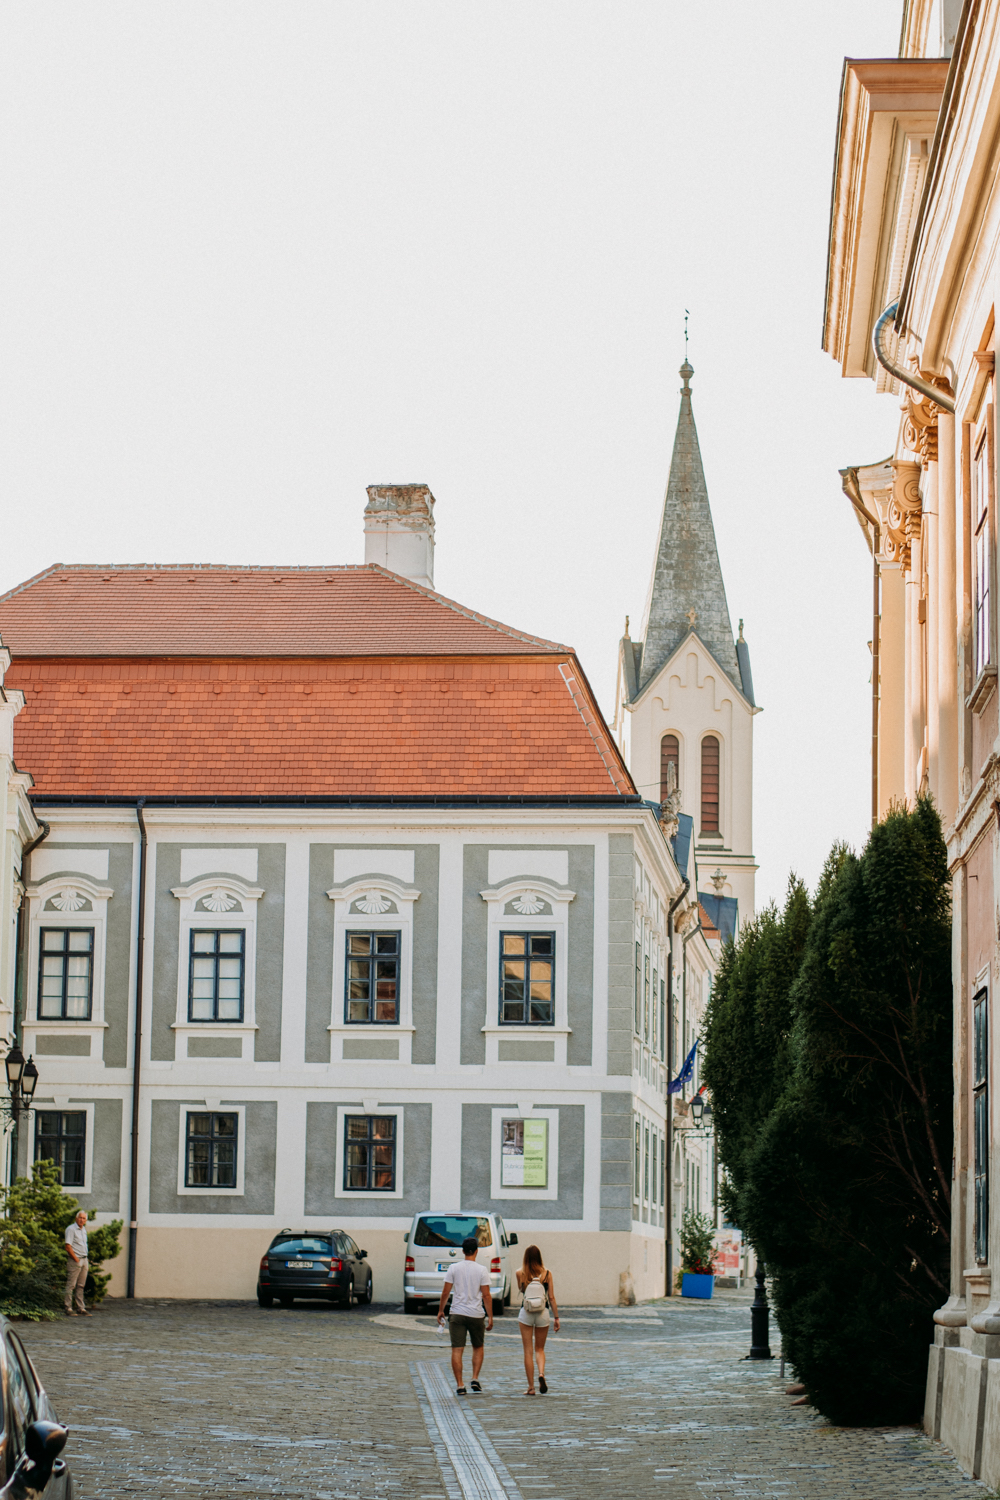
x=65, y=973
x=636, y=1178
x=981, y=488
x=370, y=1153
x=663, y=1171
x=212, y=1140
x=215, y=979
x=527, y=978
x=981, y=1121
x=645, y=1000
x=638, y=989
x=653, y=1022
x=61, y=1136
x=372, y=988
x=645, y=1182
x=663, y=1020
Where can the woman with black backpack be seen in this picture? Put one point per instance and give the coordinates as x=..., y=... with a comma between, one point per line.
x=537, y=1296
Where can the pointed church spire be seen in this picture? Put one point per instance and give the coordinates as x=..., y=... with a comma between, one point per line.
x=687, y=592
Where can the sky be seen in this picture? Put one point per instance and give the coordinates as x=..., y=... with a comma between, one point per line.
x=256, y=256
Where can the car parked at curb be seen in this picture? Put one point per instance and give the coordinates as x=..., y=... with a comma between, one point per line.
x=314, y=1263
x=434, y=1242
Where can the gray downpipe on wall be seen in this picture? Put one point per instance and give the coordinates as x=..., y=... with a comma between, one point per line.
x=133, y=1225
x=20, y=968
x=946, y=402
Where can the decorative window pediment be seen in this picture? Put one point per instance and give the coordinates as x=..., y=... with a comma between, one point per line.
x=379, y=909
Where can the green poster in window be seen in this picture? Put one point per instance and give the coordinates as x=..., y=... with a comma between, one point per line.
x=536, y=1153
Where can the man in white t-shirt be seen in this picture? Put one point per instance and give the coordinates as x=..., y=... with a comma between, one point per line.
x=469, y=1285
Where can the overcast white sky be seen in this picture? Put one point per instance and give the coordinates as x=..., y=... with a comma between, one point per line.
x=255, y=256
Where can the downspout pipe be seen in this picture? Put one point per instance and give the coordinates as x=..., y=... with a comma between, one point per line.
x=20, y=968
x=669, y=1204
x=133, y=1226
x=946, y=402
x=852, y=489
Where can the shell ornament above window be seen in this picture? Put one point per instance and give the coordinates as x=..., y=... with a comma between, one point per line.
x=372, y=903
x=69, y=900
x=529, y=905
x=219, y=901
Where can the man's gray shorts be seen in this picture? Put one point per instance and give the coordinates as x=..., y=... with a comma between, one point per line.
x=459, y=1325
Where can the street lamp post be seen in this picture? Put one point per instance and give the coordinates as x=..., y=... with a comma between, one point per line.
x=22, y=1080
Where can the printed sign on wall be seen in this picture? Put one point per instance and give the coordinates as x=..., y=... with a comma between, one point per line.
x=524, y=1153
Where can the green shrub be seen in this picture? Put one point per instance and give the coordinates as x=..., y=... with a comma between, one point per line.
x=828, y=1052
x=697, y=1243
x=33, y=1257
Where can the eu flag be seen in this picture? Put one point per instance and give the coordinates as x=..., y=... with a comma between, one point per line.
x=684, y=1076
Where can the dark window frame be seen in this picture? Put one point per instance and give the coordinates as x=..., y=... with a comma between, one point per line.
x=60, y=1137
x=549, y=958
x=981, y=1122
x=44, y=952
x=670, y=754
x=370, y=1140
x=374, y=957
x=982, y=545
x=212, y=1140
x=215, y=1019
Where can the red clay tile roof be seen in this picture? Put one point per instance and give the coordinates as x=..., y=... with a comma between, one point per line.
x=202, y=610
x=506, y=726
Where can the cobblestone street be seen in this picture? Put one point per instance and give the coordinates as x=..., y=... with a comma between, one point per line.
x=168, y=1399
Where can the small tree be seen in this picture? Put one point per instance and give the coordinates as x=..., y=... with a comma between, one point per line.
x=697, y=1244
x=36, y=1212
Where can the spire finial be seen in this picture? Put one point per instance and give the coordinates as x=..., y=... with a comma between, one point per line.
x=686, y=370
x=741, y=630
x=626, y=626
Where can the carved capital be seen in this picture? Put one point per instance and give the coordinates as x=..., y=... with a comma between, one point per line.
x=903, y=512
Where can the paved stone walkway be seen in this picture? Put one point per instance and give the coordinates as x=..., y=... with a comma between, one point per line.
x=194, y=1399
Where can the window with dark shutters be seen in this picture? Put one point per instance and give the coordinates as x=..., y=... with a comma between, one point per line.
x=670, y=755
x=710, y=784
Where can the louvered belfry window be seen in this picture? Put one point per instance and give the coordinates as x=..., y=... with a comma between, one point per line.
x=710, y=784
x=670, y=754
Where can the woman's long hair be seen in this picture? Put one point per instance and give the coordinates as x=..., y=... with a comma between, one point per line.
x=532, y=1263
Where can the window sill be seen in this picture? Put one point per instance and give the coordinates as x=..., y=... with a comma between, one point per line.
x=67, y=1022
x=517, y=1029
x=222, y=1028
x=985, y=683
x=369, y=1028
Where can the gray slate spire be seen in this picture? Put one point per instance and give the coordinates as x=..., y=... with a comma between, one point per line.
x=686, y=575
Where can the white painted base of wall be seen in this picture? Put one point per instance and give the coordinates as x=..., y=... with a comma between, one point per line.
x=205, y=1263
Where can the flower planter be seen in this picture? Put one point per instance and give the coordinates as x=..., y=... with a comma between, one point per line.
x=697, y=1286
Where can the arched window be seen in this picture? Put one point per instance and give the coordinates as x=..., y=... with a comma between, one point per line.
x=710, y=784
x=670, y=755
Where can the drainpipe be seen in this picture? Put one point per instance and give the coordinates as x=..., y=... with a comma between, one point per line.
x=20, y=968
x=849, y=481
x=133, y=1226
x=669, y=1205
x=915, y=382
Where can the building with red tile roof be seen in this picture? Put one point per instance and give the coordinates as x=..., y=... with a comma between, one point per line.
x=332, y=870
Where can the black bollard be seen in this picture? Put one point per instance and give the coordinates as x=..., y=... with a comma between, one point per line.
x=760, y=1313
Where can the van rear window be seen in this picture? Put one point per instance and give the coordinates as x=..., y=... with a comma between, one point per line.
x=300, y=1247
x=451, y=1230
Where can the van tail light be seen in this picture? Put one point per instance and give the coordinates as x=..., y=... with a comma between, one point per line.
x=411, y=1264
x=336, y=1265
x=495, y=1265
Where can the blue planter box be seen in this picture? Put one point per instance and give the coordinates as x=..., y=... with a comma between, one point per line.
x=697, y=1286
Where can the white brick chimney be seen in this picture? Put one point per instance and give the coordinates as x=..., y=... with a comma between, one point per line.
x=399, y=530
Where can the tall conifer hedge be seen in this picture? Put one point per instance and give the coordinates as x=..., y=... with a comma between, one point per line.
x=828, y=1054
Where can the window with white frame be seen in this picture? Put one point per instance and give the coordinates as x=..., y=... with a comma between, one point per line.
x=527, y=978
x=216, y=973
x=371, y=986
x=65, y=973
x=61, y=1137
x=982, y=489
x=211, y=1149
x=370, y=1153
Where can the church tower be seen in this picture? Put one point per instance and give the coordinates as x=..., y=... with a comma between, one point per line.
x=685, y=706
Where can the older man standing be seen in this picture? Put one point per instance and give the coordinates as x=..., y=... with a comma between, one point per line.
x=78, y=1266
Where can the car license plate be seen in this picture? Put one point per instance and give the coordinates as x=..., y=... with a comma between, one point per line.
x=444, y=1265
x=298, y=1265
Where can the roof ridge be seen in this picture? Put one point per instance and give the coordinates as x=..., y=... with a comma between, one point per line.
x=297, y=568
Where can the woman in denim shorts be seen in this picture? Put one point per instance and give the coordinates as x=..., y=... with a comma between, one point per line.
x=536, y=1286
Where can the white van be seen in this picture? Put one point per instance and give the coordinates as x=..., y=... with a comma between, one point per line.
x=434, y=1242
